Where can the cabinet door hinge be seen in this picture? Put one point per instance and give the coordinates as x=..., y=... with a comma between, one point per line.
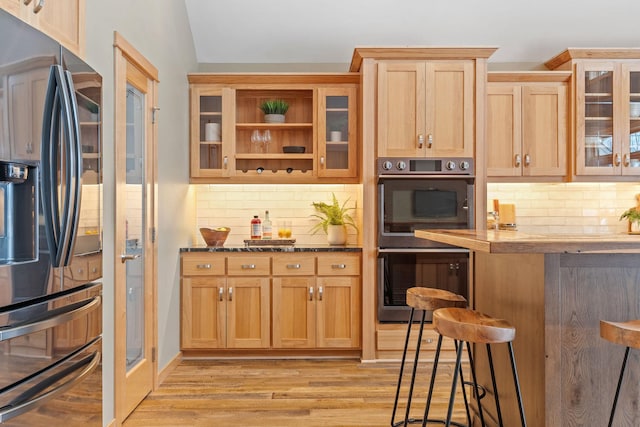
x=153, y=114
x=153, y=234
x=153, y=354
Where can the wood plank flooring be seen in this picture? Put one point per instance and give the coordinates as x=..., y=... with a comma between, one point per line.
x=265, y=393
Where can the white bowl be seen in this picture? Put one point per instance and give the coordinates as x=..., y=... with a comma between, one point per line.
x=634, y=109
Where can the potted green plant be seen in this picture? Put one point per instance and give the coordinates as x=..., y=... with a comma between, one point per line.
x=274, y=110
x=333, y=219
x=633, y=216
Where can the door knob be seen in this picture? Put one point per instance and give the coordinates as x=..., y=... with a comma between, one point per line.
x=128, y=257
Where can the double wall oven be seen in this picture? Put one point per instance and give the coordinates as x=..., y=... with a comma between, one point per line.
x=420, y=193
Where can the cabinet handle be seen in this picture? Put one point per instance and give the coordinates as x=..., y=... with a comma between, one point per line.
x=220, y=293
x=203, y=266
x=80, y=270
x=322, y=160
x=339, y=266
x=225, y=161
x=94, y=270
x=616, y=159
x=310, y=293
x=26, y=1
x=527, y=160
x=420, y=140
x=627, y=159
x=293, y=266
x=518, y=160
x=38, y=6
x=319, y=293
x=430, y=141
x=230, y=293
x=248, y=266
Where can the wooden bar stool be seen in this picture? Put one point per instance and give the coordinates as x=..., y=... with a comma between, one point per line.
x=469, y=326
x=425, y=299
x=626, y=334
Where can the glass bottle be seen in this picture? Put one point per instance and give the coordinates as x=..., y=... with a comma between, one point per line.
x=267, y=232
x=256, y=228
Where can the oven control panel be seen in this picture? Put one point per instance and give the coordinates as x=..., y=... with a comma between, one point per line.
x=425, y=166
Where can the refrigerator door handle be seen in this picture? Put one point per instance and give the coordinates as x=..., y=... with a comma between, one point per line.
x=53, y=318
x=74, y=169
x=33, y=397
x=62, y=223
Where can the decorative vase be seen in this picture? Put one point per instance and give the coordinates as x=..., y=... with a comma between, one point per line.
x=634, y=227
x=274, y=118
x=336, y=234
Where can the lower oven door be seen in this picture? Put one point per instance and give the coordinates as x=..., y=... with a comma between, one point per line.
x=401, y=269
x=50, y=354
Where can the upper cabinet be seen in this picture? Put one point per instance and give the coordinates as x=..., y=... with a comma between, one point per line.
x=527, y=124
x=606, y=96
x=232, y=140
x=426, y=108
x=62, y=20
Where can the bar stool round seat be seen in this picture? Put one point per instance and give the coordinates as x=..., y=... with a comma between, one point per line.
x=469, y=326
x=472, y=326
x=624, y=333
x=426, y=300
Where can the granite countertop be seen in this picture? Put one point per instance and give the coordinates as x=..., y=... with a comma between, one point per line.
x=508, y=241
x=293, y=248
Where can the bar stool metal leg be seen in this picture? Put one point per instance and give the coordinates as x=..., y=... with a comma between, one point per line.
x=415, y=368
x=404, y=357
x=516, y=381
x=495, y=385
x=477, y=388
x=615, y=399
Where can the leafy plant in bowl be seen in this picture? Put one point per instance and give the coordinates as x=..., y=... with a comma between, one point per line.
x=333, y=219
x=274, y=110
x=633, y=216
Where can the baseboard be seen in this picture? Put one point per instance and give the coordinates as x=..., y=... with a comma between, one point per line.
x=170, y=367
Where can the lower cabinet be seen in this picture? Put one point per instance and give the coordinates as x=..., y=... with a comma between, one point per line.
x=270, y=300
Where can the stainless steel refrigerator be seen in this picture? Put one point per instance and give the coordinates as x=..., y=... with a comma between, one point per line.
x=50, y=232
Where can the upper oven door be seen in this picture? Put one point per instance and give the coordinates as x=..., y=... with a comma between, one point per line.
x=407, y=204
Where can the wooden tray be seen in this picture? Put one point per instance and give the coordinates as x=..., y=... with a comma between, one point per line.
x=269, y=242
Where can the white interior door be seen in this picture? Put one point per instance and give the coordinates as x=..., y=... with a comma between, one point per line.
x=135, y=278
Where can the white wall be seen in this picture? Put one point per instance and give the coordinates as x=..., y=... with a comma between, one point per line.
x=159, y=31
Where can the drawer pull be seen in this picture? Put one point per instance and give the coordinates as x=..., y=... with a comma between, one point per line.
x=293, y=266
x=319, y=293
x=339, y=266
x=94, y=270
x=230, y=293
x=248, y=266
x=220, y=293
x=204, y=266
x=310, y=293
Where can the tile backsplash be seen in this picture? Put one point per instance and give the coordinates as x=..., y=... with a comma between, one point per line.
x=567, y=207
x=234, y=205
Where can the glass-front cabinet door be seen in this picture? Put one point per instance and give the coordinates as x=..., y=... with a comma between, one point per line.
x=631, y=127
x=608, y=118
x=337, y=132
x=211, y=143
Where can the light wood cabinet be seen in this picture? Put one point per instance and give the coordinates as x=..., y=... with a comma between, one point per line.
x=321, y=119
x=527, y=124
x=283, y=301
x=426, y=108
x=225, y=309
x=606, y=110
x=316, y=310
x=62, y=20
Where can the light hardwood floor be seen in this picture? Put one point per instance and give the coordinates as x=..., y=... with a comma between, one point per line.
x=265, y=393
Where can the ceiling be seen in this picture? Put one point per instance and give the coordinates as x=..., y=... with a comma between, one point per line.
x=299, y=31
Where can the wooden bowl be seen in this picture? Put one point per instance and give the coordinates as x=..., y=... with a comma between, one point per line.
x=215, y=236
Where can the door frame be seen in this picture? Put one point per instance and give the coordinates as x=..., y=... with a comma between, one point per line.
x=128, y=61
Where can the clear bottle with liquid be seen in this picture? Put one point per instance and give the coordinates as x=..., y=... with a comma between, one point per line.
x=256, y=228
x=267, y=230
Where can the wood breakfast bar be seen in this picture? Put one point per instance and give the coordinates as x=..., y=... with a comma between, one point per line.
x=555, y=289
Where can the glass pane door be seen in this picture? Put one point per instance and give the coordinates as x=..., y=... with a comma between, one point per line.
x=598, y=116
x=633, y=159
x=337, y=132
x=135, y=226
x=210, y=135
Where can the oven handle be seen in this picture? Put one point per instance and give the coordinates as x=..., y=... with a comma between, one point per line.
x=423, y=176
x=421, y=250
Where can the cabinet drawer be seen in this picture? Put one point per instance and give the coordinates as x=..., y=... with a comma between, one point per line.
x=339, y=264
x=249, y=265
x=203, y=265
x=294, y=265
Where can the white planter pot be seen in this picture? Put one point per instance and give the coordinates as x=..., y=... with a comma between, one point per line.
x=274, y=118
x=634, y=227
x=336, y=234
